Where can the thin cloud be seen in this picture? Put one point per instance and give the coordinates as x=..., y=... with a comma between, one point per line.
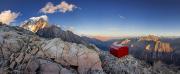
x=122, y=17
x=44, y=17
x=71, y=28
x=40, y=17
x=62, y=7
x=8, y=17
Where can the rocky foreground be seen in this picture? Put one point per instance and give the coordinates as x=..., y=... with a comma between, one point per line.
x=24, y=52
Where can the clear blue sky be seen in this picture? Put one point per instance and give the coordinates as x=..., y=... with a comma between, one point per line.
x=107, y=17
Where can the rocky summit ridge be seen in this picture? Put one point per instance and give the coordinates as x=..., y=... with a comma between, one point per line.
x=24, y=52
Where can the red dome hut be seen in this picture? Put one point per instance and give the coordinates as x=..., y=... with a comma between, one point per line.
x=118, y=49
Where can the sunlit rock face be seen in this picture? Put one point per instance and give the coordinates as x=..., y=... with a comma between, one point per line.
x=160, y=47
x=35, y=25
x=152, y=49
x=154, y=44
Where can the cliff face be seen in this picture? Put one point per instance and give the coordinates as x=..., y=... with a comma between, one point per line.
x=152, y=48
x=154, y=44
x=159, y=47
x=165, y=47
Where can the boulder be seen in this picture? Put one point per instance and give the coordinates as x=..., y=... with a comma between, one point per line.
x=72, y=54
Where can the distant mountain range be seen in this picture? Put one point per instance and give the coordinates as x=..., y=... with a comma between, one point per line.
x=24, y=52
x=43, y=29
x=150, y=48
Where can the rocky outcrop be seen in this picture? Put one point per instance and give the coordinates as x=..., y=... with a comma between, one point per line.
x=22, y=51
x=71, y=54
x=125, y=65
x=131, y=65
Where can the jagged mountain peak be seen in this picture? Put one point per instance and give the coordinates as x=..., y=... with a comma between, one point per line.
x=34, y=24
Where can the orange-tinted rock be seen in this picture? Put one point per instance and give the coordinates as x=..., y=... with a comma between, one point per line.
x=34, y=27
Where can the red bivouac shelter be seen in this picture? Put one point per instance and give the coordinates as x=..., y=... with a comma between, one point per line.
x=119, y=50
